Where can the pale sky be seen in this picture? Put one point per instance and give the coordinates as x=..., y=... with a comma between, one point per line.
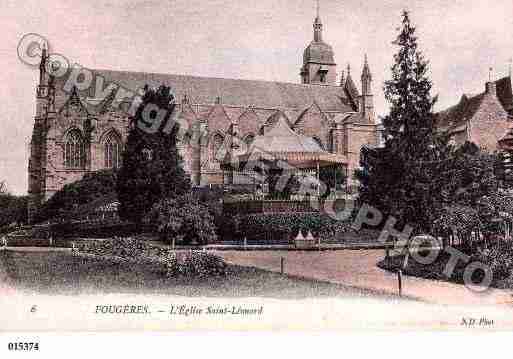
x=261, y=39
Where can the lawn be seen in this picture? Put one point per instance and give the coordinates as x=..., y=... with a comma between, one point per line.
x=64, y=274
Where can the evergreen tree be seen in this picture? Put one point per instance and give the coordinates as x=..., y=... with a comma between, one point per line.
x=404, y=179
x=152, y=167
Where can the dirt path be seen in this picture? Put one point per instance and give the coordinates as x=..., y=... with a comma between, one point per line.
x=358, y=268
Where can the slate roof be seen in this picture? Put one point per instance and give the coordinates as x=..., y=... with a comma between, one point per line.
x=459, y=114
x=454, y=117
x=351, y=87
x=281, y=138
x=243, y=93
x=275, y=117
x=319, y=52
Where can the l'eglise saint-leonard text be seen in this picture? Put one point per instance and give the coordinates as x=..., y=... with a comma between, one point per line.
x=187, y=310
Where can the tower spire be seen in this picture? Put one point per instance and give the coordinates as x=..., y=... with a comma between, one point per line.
x=367, y=102
x=318, y=25
x=366, y=74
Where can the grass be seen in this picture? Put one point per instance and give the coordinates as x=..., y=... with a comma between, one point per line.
x=64, y=274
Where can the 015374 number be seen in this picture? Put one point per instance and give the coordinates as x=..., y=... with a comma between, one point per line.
x=22, y=346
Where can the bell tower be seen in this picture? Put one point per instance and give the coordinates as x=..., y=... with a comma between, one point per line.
x=319, y=67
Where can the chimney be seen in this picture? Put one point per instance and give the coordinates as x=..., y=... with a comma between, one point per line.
x=491, y=88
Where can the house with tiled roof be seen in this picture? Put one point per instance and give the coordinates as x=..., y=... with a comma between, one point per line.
x=79, y=129
x=484, y=119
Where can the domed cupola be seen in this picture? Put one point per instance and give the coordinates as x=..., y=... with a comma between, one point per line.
x=319, y=52
x=318, y=59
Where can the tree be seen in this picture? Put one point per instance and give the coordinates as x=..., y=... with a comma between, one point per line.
x=152, y=167
x=470, y=175
x=404, y=179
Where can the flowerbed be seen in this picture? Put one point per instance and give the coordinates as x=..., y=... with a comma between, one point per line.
x=163, y=260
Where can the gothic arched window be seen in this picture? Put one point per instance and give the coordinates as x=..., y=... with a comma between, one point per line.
x=74, y=151
x=112, y=151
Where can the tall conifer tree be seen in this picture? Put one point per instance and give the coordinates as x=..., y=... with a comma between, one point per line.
x=403, y=179
x=152, y=167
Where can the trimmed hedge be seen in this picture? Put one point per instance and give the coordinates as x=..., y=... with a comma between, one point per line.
x=287, y=225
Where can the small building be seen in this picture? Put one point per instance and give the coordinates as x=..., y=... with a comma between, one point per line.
x=484, y=119
x=299, y=155
x=291, y=156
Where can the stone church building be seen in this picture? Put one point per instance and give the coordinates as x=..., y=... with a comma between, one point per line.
x=75, y=134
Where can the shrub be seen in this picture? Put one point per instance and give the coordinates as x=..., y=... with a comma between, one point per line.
x=184, y=219
x=499, y=259
x=202, y=264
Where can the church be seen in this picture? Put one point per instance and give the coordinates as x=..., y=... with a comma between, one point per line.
x=74, y=134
